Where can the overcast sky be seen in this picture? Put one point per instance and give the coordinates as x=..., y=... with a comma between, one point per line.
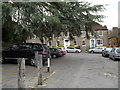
x=111, y=11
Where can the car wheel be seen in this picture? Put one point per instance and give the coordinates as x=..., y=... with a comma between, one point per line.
x=76, y=51
x=102, y=55
x=92, y=51
x=32, y=62
x=3, y=61
x=54, y=56
x=109, y=57
x=113, y=59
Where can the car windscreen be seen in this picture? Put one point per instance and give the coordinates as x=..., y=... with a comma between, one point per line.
x=37, y=46
x=45, y=47
x=118, y=50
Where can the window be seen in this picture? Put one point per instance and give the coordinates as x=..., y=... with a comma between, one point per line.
x=75, y=42
x=83, y=42
x=58, y=43
x=99, y=41
x=100, y=33
x=83, y=33
x=91, y=34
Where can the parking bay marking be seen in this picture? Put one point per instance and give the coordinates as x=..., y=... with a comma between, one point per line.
x=44, y=79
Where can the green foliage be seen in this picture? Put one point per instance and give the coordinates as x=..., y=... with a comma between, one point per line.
x=61, y=46
x=71, y=45
x=77, y=47
x=23, y=19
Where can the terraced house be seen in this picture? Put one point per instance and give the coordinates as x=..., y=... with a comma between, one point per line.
x=100, y=38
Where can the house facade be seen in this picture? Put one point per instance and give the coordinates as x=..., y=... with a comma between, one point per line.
x=101, y=39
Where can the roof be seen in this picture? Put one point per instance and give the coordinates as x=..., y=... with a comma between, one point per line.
x=100, y=28
x=96, y=28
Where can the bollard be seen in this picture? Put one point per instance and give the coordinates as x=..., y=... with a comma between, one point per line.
x=39, y=67
x=40, y=82
x=21, y=74
x=48, y=67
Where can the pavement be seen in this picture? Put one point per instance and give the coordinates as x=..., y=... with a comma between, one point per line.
x=74, y=70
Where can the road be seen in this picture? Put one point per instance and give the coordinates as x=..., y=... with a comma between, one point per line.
x=74, y=70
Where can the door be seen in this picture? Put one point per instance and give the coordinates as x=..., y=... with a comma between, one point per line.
x=66, y=43
x=92, y=43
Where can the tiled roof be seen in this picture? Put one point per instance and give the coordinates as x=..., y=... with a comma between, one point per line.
x=100, y=28
x=96, y=28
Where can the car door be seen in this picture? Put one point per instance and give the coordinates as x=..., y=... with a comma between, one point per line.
x=97, y=49
x=68, y=49
x=12, y=52
x=100, y=49
x=112, y=53
x=72, y=49
x=25, y=51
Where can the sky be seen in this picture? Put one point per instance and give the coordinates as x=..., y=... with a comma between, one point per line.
x=111, y=12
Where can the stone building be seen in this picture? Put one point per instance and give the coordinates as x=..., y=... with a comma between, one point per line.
x=101, y=39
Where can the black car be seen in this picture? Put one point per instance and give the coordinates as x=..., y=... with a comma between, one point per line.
x=27, y=51
x=55, y=52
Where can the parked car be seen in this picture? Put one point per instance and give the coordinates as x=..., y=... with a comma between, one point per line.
x=62, y=50
x=27, y=51
x=97, y=50
x=72, y=49
x=106, y=52
x=55, y=52
x=115, y=54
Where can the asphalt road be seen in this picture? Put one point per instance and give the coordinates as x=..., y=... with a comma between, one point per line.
x=74, y=70
x=84, y=70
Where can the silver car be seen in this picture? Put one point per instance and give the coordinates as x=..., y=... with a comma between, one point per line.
x=97, y=50
x=115, y=54
x=71, y=49
x=106, y=52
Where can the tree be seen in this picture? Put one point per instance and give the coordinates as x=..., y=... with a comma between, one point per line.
x=22, y=20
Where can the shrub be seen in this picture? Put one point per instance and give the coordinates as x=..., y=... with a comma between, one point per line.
x=71, y=45
x=77, y=47
x=61, y=46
